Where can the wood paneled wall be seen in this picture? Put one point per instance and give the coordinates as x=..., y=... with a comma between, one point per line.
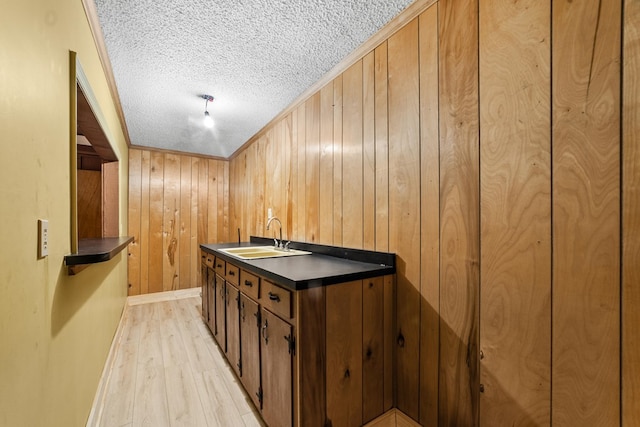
x=176, y=203
x=482, y=144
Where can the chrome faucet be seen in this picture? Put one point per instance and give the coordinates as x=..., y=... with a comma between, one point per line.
x=278, y=245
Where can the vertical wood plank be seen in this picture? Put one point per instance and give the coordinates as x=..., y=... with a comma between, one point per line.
x=295, y=177
x=312, y=168
x=326, y=165
x=344, y=354
x=225, y=232
x=259, y=188
x=111, y=199
x=302, y=174
x=373, y=353
x=212, y=201
x=381, y=150
x=368, y=152
x=459, y=228
x=352, y=190
x=586, y=213
x=171, y=221
x=156, y=215
x=184, y=272
x=429, y=217
x=219, y=207
x=193, y=228
x=311, y=335
x=135, y=196
x=288, y=177
x=631, y=217
x=145, y=221
x=389, y=341
x=337, y=161
x=515, y=200
x=203, y=203
x=404, y=207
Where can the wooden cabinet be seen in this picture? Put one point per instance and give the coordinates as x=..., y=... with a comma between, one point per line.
x=276, y=343
x=304, y=357
x=220, y=326
x=204, y=291
x=250, y=347
x=233, y=327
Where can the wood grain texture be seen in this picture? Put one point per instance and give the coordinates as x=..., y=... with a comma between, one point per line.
x=404, y=208
x=312, y=169
x=311, y=406
x=381, y=150
x=133, y=220
x=429, y=216
x=373, y=354
x=368, y=152
x=145, y=221
x=250, y=347
x=352, y=160
x=89, y=191
x=170, y=222
x=110, y=199
x=182, y=201
x=337, y=160
x=389, y=341
x=344, y=354
x=586, y=213
x=459, y=212
x=326, y=166
x=631, y=216
x=277, y=371
x=515, y=172
x=184, y=228
x=302, y=174
x=156, y=226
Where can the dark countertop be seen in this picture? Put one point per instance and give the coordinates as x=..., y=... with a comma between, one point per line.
x=327, y=265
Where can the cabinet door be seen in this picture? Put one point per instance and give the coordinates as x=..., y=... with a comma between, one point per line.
x=277, y=363
x=250, y=347
x=233, y=327
x=211, y=300
x=205, y=292
x=220, y=321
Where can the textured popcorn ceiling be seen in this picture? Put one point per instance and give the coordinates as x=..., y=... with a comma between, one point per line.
x=254, y=56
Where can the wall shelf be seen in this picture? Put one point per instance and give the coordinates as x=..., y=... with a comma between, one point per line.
x=92, y=251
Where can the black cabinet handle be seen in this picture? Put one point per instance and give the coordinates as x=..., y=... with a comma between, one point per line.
x=219, y=265
x=232, y=273
x=274, y=297
x=248, y=283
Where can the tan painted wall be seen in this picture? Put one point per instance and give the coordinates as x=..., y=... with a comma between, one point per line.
x=55, y=330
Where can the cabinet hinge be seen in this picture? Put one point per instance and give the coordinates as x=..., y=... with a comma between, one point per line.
x=292, y=343
x=258, y=319
x=239, y=364
x=259, y=394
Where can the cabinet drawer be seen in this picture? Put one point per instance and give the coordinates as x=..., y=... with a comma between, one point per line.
x=233, y=274
x=276, y=299
x=220, y=266
x=209, y=260
x=249, y=284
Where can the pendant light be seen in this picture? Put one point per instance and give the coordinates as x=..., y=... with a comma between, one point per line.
x=208, y=120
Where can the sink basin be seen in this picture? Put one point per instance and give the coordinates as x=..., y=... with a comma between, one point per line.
x=256, y=252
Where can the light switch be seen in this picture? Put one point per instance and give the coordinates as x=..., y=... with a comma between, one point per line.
x=43, y=238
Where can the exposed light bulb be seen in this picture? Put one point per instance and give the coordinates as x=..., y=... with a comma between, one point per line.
x=208, y=120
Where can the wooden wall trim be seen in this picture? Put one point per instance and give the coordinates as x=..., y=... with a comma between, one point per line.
x=98, y=38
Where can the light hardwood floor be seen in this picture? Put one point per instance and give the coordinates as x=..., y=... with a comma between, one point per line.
x=166, y=370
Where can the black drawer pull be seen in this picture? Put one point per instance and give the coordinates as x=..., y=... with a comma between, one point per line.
x=219, y=266
x=274, y=297
x=248, y=283
x=232, y=273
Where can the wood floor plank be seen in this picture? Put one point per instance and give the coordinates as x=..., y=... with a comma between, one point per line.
x=168, y=371
x=184, y=405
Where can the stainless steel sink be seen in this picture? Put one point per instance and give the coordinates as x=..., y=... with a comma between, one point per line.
x=256, y=252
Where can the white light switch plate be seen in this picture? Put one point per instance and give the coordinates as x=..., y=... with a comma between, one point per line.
x=43, y=238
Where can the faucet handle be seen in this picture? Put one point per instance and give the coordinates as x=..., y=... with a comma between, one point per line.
x=275, y=243
x=286, y=246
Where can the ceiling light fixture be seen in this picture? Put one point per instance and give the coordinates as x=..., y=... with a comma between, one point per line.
x=208, y=120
